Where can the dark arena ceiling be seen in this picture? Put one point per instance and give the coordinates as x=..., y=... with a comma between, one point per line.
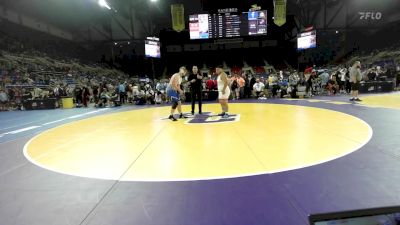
x=136, y=19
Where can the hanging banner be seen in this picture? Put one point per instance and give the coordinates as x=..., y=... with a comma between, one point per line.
x=279, y=12
x=178, y=17
x=255, y=7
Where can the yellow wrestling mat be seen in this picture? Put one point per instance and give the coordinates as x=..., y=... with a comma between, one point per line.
x=139, y=145
x=391, y=101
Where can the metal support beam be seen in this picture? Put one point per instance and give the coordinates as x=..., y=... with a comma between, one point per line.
x=325, y=7
x=121, y=26
x=107, y=37
x=145, y=28
x=297, y=24
x=335, y=15
x=131, y=20
x=89, y=34
x=316, y=12
x=110, y=29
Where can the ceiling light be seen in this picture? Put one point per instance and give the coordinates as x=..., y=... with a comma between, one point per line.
x=104, y=4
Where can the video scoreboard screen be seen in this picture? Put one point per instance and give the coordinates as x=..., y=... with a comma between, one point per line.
x=152, y=47
x=307, y=40
x=226, y=25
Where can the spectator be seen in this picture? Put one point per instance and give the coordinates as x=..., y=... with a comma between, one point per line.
x=355, y=79
x=332, y=85
x=241, y=82
x=85, y=96
x=253, y=81
x=122, y=92
x=342, y=74
x=78, y=92
x=293, y=82
x=95, y=94
x=3, y=100
x=130, y=93
x=348, y=83
x=210, y=84
x=235, y=86
x=37, y=93
x=258, y=89
x=273, y=84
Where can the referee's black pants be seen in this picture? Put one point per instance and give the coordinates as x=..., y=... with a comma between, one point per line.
x=193, y=95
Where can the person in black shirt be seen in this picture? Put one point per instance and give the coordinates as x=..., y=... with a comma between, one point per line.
x=195, y=81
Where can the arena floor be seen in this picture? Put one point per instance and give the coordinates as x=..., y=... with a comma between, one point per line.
x=273, y=162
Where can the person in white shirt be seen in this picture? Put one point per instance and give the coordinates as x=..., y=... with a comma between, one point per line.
x=258, y=89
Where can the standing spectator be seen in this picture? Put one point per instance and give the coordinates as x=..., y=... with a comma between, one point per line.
x=293, y=82
x=348, y=83
x=241, y=82
x=130, y=93
x=253, y=80
x=235, y=86
x=85, y=96
x=273, y=84
x=355, y=79
x=324, y=78
x=247, y=87
x=96, y=94
x=78, y=96
x=307, y=76
x=18, y=97
x=308, y=81
x=342, y=73
x=56, y=92
x=122, y=92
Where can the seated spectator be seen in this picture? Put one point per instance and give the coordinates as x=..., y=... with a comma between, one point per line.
x=141, y=98
x=258, y=89
x=104, y=99
x=37, y=93
x=150, y=95
x=158, y=97
x=114, y=98
x=209, y=84
x=3, y=100
x=26, y=95
x=333, y=86
x=371, y=75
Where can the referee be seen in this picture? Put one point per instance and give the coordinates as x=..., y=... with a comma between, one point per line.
x=195, y=81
